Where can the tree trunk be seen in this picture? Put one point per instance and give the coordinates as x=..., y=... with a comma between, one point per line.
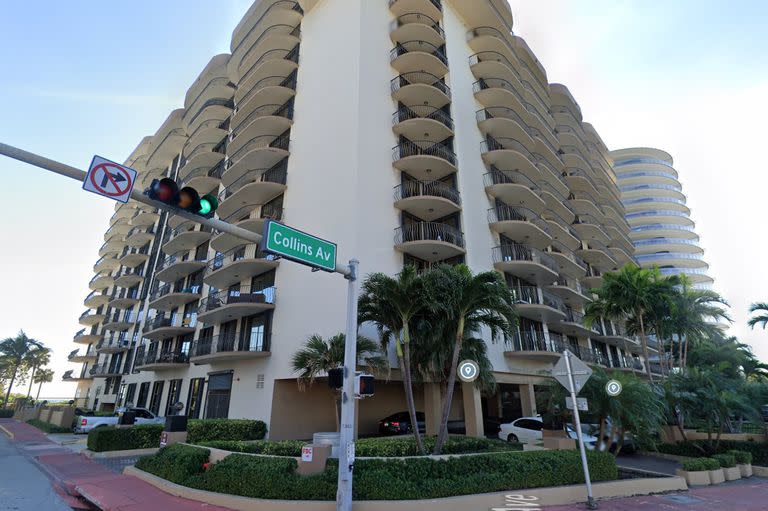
x=685, y=353
x=10, y=385
x=31, y=381
x=663, y=350
x=680, y=361
x=41, y=386
x=336, y=409
x=601, y=434
x=644, y=343
x=443, y=433
x=408, y=382
x=619, y=442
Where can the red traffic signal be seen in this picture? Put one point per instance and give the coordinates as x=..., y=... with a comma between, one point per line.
x=167, y=191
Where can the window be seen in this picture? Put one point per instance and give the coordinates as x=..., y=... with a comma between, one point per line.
x=174, y=391
x=529, y=424
x=143, y=414
x=157, y=394
x=141, y=402
x=254, y=333
x=219, y=390
x=130, y=393
x=195, y=397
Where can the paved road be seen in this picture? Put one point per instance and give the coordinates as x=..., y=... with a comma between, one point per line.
x=648, y=463
x=22, y=486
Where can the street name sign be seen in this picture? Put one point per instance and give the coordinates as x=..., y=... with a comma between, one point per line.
x=580, y=401
x=581, y=373
x=298, y=246
x=110, y=179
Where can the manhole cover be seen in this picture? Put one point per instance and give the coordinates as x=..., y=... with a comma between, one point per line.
x=682, y=499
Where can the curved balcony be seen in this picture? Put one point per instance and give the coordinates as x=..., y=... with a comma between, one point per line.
x=675, y=259
x=534, y=346
x=431, y=8
x=70, y=376
x=641, y=203
x=614, y=335
x=212, y=131
x=428, y=200
x=205, y=179
x=101, y=281
x=187, y=236
x=238, y=264
x=124, y=210
x=556, y=202
x=170, y=296
x=113, y=345
x=658, y=216
x=255, y=187
x=663, y=231
x=168, y=147
x=419, y=88
x=203, y=156
x=163, y=327
x=260, y=153
x=140, y=236
x=117, y=230
x=283, y=31
x=229, y=304
x=261, y=122
x=91, y=317
x=212, y=109
x=498, y=92
x=144, y=217
x=129, y=277
x=252, y=217
x=560, y=230
x=415, y=26
x=490, y=39
x=410, y=56
x=579, y=179
x=568, y=263
x=622, y=255
x=501, y=122
x=158, y=360
x=125, y=299
x=112, y=248
x=430, y=241
x=513, y=188
x=276, y=89
x=584, y=203
x=104, y=370
x=507, y=153
x=658, y=190
x=422, y=121
x=653, y=245
x=106, y=263
x=87, y=336
x=590, y=228
x=77, y=357
x=597, y=254
x=121, y=321
x=536, y=304
x=593, y=278
x=521, y=225
x=694, y=275
x=525, y=262
x=424, y=160
x=277, y=62
x=96, y=299
x=227, y=347
x=570, y=291
x=572, y=324
x=132, y=257
x=178, y=266
x=646, y=176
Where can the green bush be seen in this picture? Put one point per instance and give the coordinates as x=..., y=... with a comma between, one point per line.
x=700, y=464
x=6, y=413
x=758, y=450
x=176, y=463
x=204, y=430
x=725, y=460
x=108, y=438
x=742, y=457
x=48, y=427
x=402, y=479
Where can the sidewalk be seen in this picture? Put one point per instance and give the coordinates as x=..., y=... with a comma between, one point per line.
x=78, y=479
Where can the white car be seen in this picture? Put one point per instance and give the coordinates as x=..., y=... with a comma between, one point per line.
x=85, y=423
x=527, y=430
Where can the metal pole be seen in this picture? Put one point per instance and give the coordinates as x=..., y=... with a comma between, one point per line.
x=79, y=175
x=346, y=436
x=591, y=504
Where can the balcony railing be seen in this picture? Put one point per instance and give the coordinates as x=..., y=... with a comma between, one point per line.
x=420, y=78
x=573, y=285
x=512, y=177
x=285, y=110
x=291, y=55
x=416, y=17
x=535, y=341
x=519, y=252
x=266, y=211
x=155, y=356
x=237, y=254
x=188, y=320
x=245, y=295
x=498, y=83
x=501, y=112
x=504, y=213
x=292, y=5
x=263, y=142
x=406, y=113
x=277, y=174
x=429, y=231
x=171, y=287
x=418, y=46
x=281, y=29
x=105, y=369
x=505, y=144
x=427, y=189
x=228, y=343
x=408, y=148
x=179, y=257
x=436, y=3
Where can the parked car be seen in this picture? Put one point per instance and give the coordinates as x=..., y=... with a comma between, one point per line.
x=85, y=423
x=628, y=447
x=528, y=430
x=400, y=423
x=491, y=426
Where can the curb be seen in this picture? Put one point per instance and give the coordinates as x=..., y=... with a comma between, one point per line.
x=10, y=434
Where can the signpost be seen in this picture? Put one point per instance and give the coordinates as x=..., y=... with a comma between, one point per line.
x=572, y=374
x=298, y=246
x=581, y=403
x=110, y=179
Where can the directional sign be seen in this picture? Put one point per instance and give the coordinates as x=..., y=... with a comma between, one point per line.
x=580, y=401
x=581, y=373
x=110, y=179
x=613, y=388
x=468, y=370
x=298, y=246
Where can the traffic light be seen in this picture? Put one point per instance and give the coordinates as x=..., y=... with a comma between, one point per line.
x=166, y=190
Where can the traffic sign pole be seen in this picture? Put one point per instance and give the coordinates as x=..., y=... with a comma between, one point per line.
x=591, y=504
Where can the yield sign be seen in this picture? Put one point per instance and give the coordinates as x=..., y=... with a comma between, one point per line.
x=581, y=372
x=110, y=179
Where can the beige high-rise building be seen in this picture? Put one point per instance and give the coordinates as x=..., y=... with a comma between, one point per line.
x=408, y=132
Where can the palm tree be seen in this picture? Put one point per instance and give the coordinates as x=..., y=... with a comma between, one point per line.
x=37, y=358
x=693, y=316
x=467, y=302
x=664, y=292
x=43, y=376
x=761, y=318
x=392, y=303
x=15, y=351
x=318, y=356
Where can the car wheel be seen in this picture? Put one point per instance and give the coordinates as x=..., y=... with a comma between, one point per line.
x=512, y=438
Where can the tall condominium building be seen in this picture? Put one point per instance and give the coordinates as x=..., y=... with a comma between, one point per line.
x=661, y=227
x=409, y=132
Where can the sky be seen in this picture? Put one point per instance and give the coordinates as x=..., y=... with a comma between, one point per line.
x=86, y=77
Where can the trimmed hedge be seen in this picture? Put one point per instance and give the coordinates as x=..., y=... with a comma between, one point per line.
x=176, y=463
x=6, y=413
x=376, y=479
x=700, y=464
x=148, y=435
x=48, y=427
x=279, y=448
x=725, y=460
x=758, y=450
x=741, y=457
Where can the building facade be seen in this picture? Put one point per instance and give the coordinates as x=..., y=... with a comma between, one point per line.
x=408, y=132
x=661, y=227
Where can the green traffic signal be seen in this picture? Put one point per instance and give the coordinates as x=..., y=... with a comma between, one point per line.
x=208, y=204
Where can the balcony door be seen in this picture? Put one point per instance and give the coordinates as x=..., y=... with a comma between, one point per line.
x=219, y=392
x=253, y=335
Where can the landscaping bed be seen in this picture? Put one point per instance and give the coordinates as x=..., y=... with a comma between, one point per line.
x=758, y=450
x=274, y=477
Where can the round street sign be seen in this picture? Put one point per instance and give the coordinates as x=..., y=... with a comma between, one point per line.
x=468, y=370
x=613, y=388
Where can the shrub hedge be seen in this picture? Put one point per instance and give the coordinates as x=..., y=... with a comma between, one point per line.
x=742, y=457
x=377, y=479
x=199, y=430
x=700, y=464
x=758, y=450
x=6, y=413
x=48, y=427
x=725, y=460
